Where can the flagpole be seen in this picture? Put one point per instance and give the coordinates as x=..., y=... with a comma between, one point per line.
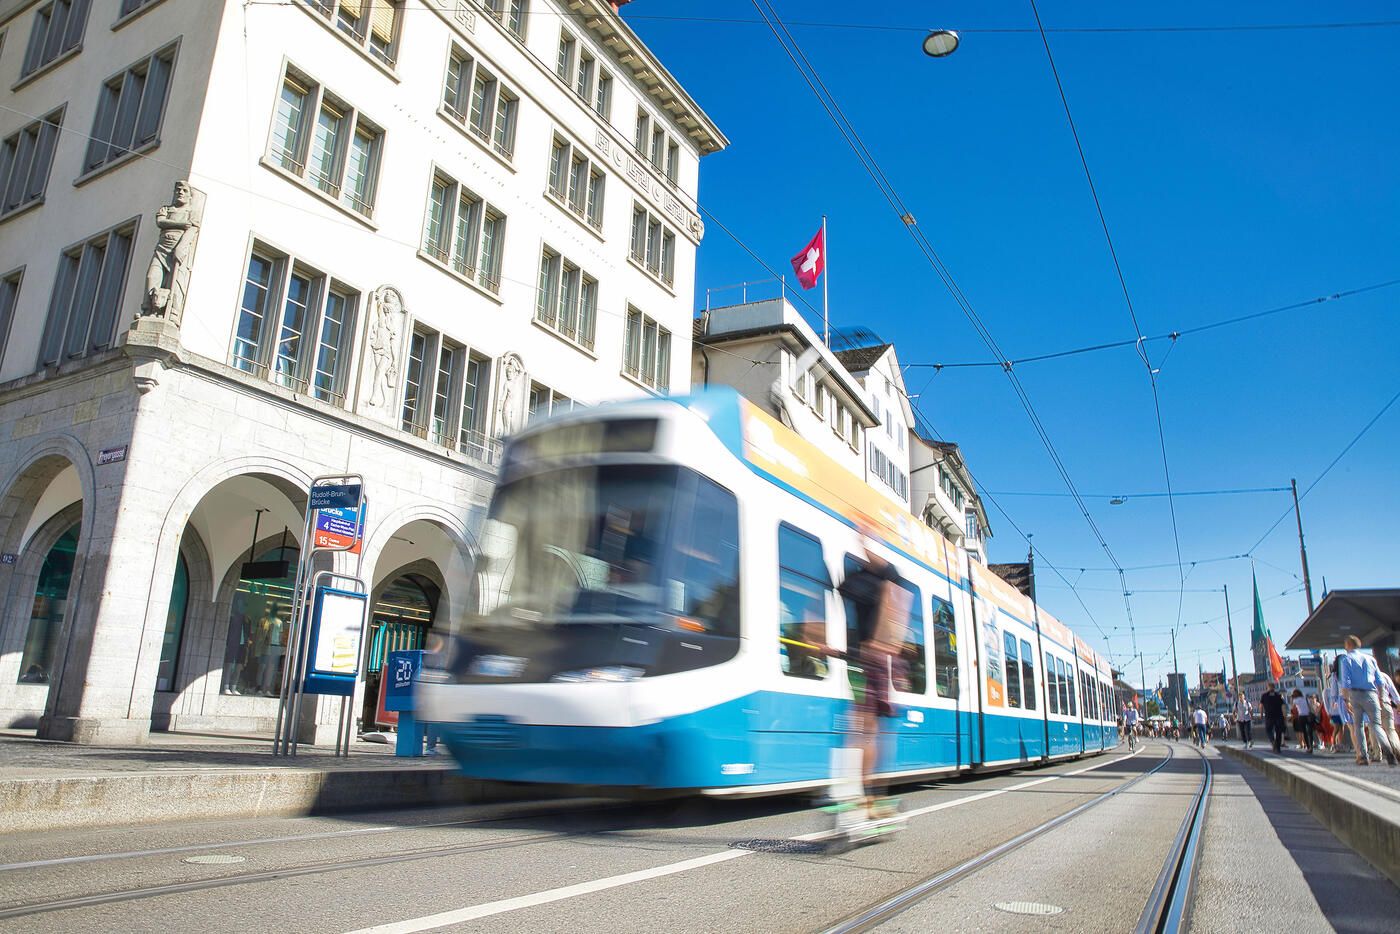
x=826, y=284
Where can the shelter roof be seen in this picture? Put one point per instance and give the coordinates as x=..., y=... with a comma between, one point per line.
x=1366, y=614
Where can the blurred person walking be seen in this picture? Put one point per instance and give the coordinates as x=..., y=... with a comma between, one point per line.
x=1303, y=721
x=1244, y=716
x=1273, y=705
x=1360, y=679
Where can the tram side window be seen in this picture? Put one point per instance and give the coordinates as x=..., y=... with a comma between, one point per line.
x=1065, y=709
x=1028, y=673
x=803, y=583
x=913, y=653
x=705, y=597
x=1013, y=674
x=1069, y=683
x=945, y=649
x=1052, y=685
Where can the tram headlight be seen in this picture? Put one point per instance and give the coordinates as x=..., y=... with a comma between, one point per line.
x=612, y=674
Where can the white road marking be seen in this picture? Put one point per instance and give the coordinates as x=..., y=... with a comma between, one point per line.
x=488, y=909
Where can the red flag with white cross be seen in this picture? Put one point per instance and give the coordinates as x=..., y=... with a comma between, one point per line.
x=811, y=262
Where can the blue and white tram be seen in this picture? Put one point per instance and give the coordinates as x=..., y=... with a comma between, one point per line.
x=651, y=576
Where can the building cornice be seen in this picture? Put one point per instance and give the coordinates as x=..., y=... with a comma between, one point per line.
x=662, y=88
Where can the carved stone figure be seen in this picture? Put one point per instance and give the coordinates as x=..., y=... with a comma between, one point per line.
x=512, y=388
x=168, y=275
x=385, y=330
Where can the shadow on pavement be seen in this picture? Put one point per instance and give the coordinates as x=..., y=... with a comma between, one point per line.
x=1353, y=896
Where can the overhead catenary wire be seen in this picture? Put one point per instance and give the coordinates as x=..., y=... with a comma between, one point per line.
x=871, y=165
x=1127, y=300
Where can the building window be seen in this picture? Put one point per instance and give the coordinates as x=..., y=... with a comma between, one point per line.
x=673, y=158
x=568, y=299
x=475, y=99
x=129, y=110
x=420, y=350
x=512, y=14
x=472, y=437
x=131, y=6
x=371, y=24
x=9, y=299
x=576, y=182
x=26, y=157
x=58, y=28
x=889, y=473
x=326, y=143
x=567, y=56
x=642, y=135
x=545, y=402
x=804, y=584
x=602, y=99
x=449, y=359
x=295, y=325
x=464, y=232
x=653, y=245
x=646, y=354
x=87, y=296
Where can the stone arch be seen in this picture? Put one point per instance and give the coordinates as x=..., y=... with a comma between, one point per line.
x=36, y=469
x=454, y=572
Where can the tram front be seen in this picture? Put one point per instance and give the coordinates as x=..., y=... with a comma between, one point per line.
x=606, y=595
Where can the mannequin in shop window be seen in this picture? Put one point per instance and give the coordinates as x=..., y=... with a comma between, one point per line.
x=271, y=639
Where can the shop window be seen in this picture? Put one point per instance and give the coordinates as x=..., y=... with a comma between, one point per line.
x=258, y=624
x=49, y=609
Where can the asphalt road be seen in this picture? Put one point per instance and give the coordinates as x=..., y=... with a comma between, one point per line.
x=603, y=866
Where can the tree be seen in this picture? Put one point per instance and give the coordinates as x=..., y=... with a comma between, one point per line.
x=1152, y=708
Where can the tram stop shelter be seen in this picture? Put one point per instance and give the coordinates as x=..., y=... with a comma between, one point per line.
x=1373, y=616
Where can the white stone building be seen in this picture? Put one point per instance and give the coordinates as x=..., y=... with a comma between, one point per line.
x=406, y=226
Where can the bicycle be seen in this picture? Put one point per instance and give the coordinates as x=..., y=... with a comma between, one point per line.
x=1131, y=730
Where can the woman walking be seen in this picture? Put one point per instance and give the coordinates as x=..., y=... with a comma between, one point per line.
x=1303, y=721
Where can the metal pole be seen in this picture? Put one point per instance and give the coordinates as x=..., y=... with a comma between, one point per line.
x=1176, y=670
x=1302, y=548
x=1039, y=645
x=826, y=284
x=280, y=746
x=1230, y=628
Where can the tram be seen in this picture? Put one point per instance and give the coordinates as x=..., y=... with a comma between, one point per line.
x=652, y=576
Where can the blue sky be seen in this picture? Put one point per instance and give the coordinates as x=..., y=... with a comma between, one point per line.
x=1238, y=170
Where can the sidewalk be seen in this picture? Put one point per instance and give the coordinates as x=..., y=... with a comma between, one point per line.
x=1359, y=804
x=49, y=785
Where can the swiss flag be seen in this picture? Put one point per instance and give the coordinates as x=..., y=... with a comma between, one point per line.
x=811, y=262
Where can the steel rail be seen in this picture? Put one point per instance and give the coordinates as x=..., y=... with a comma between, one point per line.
x=1168, y=909
x=902, y=901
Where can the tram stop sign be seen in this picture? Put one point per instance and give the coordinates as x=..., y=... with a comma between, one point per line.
x=336, y=496
x=400, y=672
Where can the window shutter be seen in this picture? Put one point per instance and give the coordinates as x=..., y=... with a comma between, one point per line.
x=381, y=20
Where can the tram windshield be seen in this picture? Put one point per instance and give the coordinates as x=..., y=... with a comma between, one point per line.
x=602, y=548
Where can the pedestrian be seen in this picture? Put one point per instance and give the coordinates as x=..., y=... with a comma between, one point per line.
x=1303, y=721
x=1198, y=723
x=1360, y=679
x=1244, y=716
x=1337, y=708
x=1273, y=704
x=1326, y=735
x=1390, y=705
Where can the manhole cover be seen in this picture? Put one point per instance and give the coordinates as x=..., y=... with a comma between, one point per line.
x=214, y=859
x=1029, y=908
x=780, y=846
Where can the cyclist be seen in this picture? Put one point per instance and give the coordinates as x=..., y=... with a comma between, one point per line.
x=1130, y=724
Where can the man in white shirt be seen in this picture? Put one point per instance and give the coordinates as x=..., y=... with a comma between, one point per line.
x=1198, y=721
x=1390, y=702
x=1244, y=716
x=1360, y=678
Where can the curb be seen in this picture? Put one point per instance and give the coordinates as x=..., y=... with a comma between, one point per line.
x=1364, y=820
x=119, y=799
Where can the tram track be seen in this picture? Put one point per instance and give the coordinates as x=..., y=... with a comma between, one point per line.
x=1167, y=908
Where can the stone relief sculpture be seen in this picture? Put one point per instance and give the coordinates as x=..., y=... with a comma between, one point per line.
x=512, y=392
x=385, y=334
x=168, y=275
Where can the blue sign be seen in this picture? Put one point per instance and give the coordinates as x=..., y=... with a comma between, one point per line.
x=400, y=672
x=337, y=626
x=336, y=496
x=337, y=528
